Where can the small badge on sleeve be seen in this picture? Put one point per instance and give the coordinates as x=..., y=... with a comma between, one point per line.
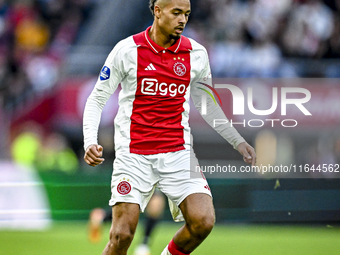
x=105, y=73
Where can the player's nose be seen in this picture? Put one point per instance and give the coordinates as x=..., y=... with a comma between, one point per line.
x=183, y=19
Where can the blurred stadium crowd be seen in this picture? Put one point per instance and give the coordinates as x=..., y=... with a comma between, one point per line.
x=254, y=38
x=35, y=35
x=245, y=38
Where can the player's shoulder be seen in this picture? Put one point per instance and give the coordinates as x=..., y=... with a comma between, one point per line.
x=122, y=49
x=125, y=44
x=198, y=51
x=196, y=46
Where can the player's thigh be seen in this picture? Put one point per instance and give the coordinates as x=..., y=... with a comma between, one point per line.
x=198, y=208
x=124, y=218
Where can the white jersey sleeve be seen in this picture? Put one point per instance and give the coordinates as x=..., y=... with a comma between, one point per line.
x=110, y=76
x=213, y=111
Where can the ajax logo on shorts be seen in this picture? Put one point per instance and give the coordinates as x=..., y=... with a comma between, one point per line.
x=105, y=73
x=124, y=187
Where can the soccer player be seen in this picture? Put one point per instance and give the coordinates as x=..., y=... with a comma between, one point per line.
x=158, y=69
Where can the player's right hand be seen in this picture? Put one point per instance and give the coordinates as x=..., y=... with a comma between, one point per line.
x=93, y=155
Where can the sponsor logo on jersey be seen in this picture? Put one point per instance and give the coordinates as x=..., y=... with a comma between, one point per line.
x=153, y=87
x=179, y=69
x=124, y=188
x=150, y=67
x=105, y=73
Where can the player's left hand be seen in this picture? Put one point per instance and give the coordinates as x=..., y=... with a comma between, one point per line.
x=248, y=153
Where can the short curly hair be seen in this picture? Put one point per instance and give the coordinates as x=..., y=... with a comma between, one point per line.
x=152, y=6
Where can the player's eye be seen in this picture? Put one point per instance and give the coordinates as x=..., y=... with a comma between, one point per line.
x=176, y=13
x=187, y=14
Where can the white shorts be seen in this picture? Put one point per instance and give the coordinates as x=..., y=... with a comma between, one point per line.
x=135, y=177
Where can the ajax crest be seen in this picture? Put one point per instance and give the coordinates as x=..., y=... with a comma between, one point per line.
x=124, y=188
x=180, y=69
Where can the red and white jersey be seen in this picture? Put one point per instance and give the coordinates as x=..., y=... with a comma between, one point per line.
x=153, y=115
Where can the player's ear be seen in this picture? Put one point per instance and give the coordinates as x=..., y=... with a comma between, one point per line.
x=157, y=11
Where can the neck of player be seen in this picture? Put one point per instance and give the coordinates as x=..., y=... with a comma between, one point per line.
x=160, y=38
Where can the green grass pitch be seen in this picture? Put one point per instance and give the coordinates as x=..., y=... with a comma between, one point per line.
x=71, y=238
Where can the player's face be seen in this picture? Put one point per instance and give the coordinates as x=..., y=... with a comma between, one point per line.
x=173, y=17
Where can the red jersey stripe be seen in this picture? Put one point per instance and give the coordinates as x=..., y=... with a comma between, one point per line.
x=158, y=106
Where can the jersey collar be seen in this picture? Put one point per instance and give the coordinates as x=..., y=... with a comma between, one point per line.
x=156, y=48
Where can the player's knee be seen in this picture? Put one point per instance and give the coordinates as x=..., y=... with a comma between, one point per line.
x=121, y=238
x=201, y=226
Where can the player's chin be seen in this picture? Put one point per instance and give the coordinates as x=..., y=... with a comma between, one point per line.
x=175, y=36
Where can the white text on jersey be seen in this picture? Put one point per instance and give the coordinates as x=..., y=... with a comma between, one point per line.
x=152, y=87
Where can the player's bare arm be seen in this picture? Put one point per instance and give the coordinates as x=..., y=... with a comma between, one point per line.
x=93, y=155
